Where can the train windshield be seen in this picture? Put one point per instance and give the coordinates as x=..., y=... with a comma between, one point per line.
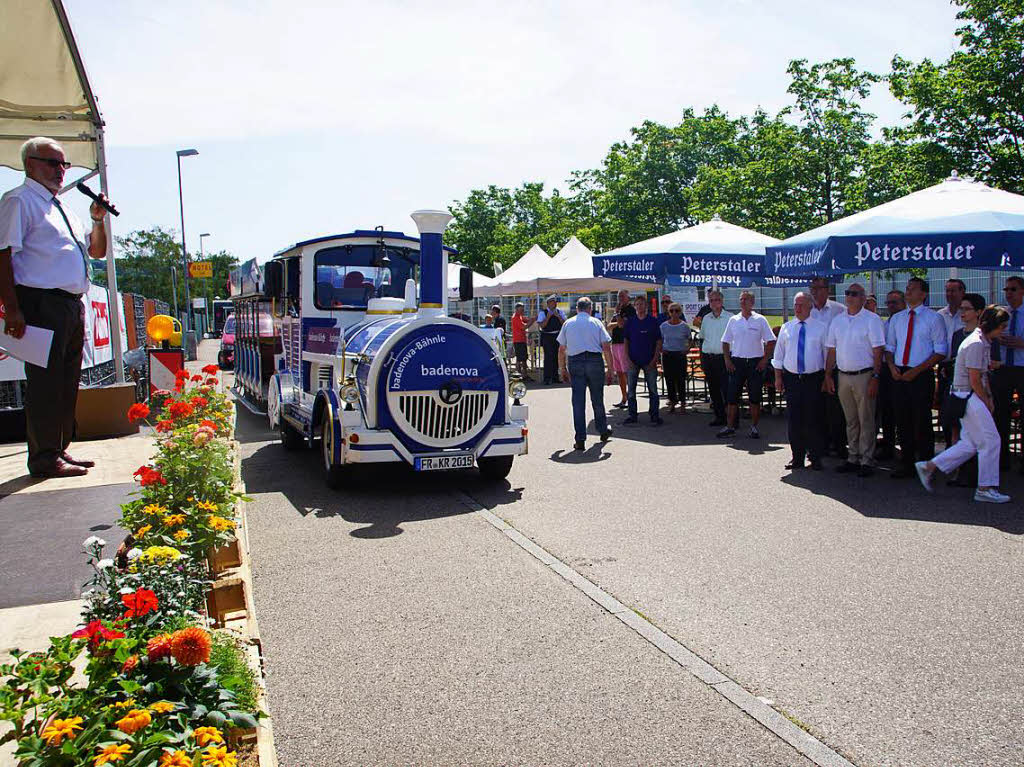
x=348, y=277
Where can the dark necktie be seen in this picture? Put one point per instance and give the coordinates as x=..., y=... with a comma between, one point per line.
x=1013, y=331
x=801, y=341
x=71, y=231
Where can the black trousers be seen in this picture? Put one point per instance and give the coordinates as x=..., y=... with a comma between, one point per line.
x=549, y=343
x=674, y=366
x=803, y=409
x=52, y=392
x=833, y=420
x=1006, y=381
x=886, y=411
x=713, y=366
x=913, y=403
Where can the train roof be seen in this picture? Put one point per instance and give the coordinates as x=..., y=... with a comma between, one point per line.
x=358, y=234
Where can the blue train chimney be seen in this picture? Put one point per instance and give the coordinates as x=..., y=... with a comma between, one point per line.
x=433, y=264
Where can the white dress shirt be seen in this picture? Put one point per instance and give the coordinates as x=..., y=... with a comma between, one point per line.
x=953, y=324
x=583, y=333
x=747, y=336
x=929, y=336
x=712, y=329
x=44, y=253
x=854, y=337
x=787, y=348
x=827, y=313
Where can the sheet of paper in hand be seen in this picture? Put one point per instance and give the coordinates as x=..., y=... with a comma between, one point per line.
x=33, y=347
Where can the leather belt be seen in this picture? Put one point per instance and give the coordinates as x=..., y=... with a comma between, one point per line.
x=856, y=372
x=53, y=292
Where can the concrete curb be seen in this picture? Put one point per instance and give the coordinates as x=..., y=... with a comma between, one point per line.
x=775, y=722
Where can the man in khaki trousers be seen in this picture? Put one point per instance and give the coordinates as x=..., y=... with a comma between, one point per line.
x=856, y=340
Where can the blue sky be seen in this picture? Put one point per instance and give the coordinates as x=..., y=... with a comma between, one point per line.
x=320, y=117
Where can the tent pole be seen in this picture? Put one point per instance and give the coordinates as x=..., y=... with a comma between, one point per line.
x=785, y=304
x=115, y=310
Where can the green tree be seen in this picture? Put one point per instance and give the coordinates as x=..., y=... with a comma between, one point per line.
x=973, y=104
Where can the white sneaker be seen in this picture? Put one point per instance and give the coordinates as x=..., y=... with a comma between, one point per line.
x=990, y=496
x=924, y=475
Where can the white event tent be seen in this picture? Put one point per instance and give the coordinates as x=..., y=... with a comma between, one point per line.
x=521, y=277
x=44, y=91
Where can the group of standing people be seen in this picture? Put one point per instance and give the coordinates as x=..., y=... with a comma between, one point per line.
x=844, y=371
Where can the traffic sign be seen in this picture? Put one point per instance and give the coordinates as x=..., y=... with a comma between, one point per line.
x=199, y=270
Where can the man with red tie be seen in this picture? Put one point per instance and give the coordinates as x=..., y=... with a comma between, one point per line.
x=915, y=344
x=43, y=273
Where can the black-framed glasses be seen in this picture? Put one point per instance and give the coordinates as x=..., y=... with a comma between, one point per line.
x=52, y=162
x=855, y=292
x=674, y=311
x=1010, y=289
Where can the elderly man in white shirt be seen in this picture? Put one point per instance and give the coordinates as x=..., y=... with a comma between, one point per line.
x=915, y=343
x=44, y=271
x=585, y=361
x=856, y=340
x=799, y=363
x=747, y=345
x=832, y=421
x=712, y=360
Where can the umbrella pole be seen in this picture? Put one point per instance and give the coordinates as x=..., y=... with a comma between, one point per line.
x=785, y=304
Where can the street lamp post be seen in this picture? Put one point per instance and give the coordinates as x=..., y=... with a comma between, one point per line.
x=202, y=257
x=184, y=249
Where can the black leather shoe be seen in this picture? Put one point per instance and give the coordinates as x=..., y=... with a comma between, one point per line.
x=606, y=435
x=795, y=466
x=579, y=446
x=60, y=470
x=816, y=464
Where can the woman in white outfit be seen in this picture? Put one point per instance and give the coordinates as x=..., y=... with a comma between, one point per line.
x=978, y=432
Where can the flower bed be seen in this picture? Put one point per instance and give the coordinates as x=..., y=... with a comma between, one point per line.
x=159, y=687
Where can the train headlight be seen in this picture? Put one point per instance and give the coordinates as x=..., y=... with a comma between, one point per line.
x=517, y=389
x=349, y=394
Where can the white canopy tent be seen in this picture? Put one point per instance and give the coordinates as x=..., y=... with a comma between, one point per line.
x=571, y=270
x=44, y=91
x=521, y=277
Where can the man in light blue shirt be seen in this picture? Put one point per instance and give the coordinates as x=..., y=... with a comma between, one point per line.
x=585, y=361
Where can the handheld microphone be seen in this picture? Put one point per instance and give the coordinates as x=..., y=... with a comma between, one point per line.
x=95, y=197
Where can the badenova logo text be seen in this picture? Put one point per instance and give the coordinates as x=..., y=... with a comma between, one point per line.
x=908, y=253
x=444, y=370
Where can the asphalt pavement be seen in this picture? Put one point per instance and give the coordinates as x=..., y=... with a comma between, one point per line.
x=399, y=627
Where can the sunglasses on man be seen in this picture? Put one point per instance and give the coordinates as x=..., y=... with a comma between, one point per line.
x=855, y=293
x=53, y=163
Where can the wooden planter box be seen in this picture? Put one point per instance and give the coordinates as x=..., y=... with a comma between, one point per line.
x=102, y=411
x=225, y=557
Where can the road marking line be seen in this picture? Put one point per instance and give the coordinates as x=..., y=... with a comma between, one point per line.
x=750, y=704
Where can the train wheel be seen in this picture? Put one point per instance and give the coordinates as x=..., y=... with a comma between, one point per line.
x=290, y=436
x=332, y=471
x=495, y=468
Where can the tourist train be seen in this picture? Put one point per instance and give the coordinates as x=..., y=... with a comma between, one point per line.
x=365, y=360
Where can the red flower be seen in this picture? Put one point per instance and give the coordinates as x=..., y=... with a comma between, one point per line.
x=130, y=664
x=179, y=385
x=211, y=370
x=212, y=381
x=200, y=402
x=139, y=603
x=164, y=425
x=137, y=411
x=181, y=375
x=96, y=632
x=159, y=647
x=196, y=378
x=208, y=424
x=148, y=476
x=180, y=409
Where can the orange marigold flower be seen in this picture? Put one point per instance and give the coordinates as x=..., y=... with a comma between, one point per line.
x=134, y=721
x=181, y=535
x=174, y=519
x=206, y=505
x=141, y=532
x=158, y=647
x=162, y=707
x=111, y=754
x=206, y=735
x=190, y=646
x=219, y=756
x=138, y=411
x=176, y=759
x=130, y=665
x=58, y=729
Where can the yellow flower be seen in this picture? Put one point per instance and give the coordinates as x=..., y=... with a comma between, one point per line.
x=134, y=721
x=177, y=759
x=59, y=729
x=162, y=707
x=221, y=524
x=160, y=554
x=125, y=703
x=174, y=519
x=181, y=535
x=219, y=757
x=206, y=735
x=206, y=506
x=155, y=509
x=143, y=530
x=112, y=754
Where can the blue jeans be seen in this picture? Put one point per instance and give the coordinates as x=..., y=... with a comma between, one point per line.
x=651, y=377
x=586, y=371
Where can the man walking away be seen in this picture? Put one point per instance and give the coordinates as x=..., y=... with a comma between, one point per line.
x=643, y=347
x=712, y=360
x=585, y=360
x=856, y=341
x=799, y=362
x=550, y=321
x=747, y=345
x=915, y=344
x=44, y=271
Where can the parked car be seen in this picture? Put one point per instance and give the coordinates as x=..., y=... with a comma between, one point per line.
x=226, y=355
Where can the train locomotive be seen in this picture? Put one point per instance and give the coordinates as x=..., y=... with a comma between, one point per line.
x=377, y=374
